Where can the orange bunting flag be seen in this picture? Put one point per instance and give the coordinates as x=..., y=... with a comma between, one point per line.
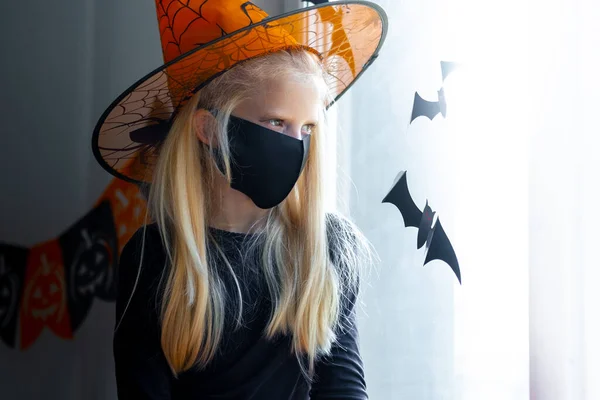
x=44, y=301
x=128, y=207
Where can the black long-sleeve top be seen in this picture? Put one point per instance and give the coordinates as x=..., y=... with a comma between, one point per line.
x=247, y=365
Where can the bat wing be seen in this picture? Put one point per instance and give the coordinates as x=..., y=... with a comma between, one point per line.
x=442, y=102
x=425, y=225
x=400, y=197
x=447, y=67
x=422, y=107
x=441, y=249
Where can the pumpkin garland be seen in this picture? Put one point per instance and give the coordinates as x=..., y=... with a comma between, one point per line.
x=53, y=284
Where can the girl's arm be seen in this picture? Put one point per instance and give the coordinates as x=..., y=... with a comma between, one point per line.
x=142, y=372
x=340, y=375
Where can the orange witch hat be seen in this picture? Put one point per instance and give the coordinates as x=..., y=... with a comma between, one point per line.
x=203, y=38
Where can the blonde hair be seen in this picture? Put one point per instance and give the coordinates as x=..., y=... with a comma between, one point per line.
x=306, y=286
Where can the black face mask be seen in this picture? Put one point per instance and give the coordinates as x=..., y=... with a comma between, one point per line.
x=265, y=164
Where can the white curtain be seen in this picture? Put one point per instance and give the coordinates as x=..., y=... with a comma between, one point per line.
x=565, y=194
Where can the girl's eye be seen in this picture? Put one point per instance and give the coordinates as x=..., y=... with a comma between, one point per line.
x=275, y=122
x=308, y=129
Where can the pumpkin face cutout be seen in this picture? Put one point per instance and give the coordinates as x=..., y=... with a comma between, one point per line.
x=93, y=271
x=89, y=249
x=44, y=296
x=12, y=272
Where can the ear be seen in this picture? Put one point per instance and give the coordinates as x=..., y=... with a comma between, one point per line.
x=205, y=124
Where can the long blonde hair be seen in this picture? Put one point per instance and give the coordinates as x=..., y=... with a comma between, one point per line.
x=306, y=286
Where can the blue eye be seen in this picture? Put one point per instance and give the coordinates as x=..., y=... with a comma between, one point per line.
x=277, y=122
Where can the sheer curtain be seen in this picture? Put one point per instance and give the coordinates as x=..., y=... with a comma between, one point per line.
x=565, y=194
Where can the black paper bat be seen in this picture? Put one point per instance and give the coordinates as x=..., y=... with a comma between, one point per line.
x=430, y=233
x=429, y=109
x=90, y=254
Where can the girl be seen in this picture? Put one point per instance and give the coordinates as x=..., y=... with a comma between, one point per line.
x=242, y=286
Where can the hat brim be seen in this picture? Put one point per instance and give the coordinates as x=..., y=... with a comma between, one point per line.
x=346, y=34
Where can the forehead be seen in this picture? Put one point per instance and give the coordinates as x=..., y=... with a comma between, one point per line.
x=300, y=95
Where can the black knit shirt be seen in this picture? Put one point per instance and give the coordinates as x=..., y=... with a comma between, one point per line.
x=247, y=365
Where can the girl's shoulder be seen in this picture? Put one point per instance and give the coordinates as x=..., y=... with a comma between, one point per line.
x=146, y=240
x=346, y=245
x=342, y=233
x=335, y=222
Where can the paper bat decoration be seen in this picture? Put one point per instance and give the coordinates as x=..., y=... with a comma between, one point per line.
x=447, y=67
x=430, y=233
x=429, y=109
